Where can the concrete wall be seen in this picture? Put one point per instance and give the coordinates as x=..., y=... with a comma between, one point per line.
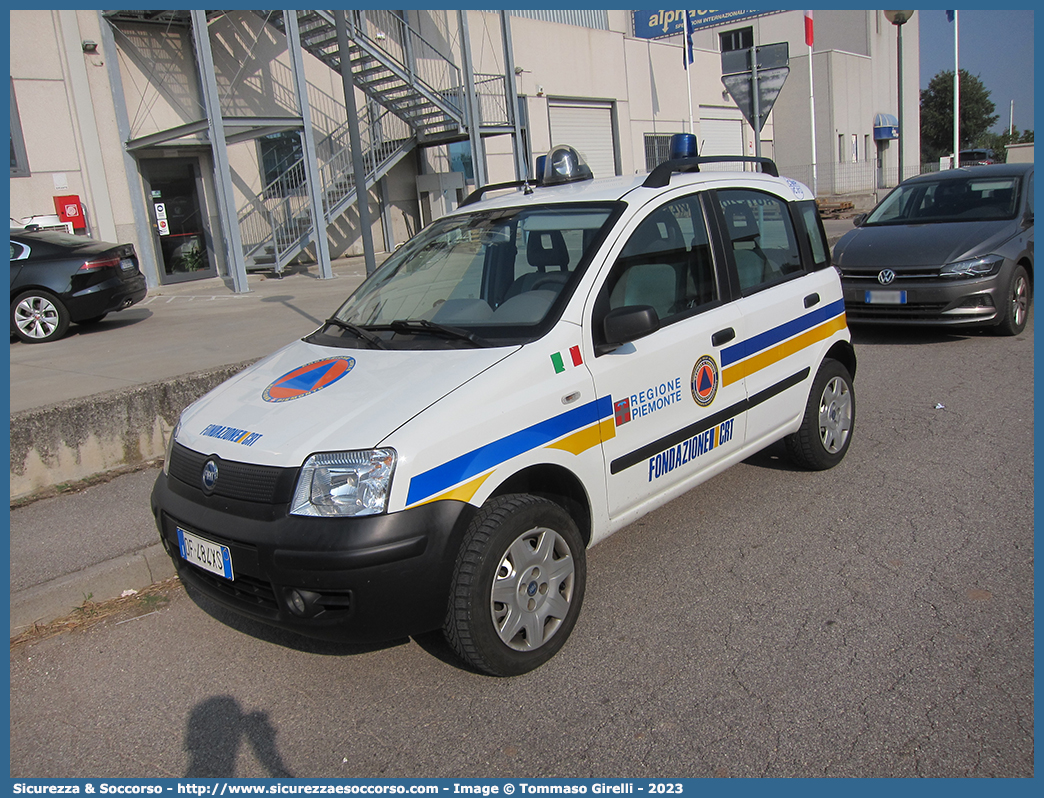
x=83, y=438
x=1020, y=153
x=67, y=121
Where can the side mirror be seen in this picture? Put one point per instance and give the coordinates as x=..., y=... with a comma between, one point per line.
x=629, y=324
x=857, y=221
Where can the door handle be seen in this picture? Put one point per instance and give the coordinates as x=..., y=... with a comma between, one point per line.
x=811, y=299
x=723, y=336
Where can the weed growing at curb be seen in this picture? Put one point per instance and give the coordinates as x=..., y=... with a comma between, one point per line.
x=90, y=613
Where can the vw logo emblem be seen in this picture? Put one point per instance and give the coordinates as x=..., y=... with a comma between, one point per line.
x=885, y=276
x=210, y=475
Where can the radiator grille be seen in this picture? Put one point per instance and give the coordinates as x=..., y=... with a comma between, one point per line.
x=242, y=481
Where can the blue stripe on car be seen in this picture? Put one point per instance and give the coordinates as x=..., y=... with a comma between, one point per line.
x=769, y=338
x=460, y=469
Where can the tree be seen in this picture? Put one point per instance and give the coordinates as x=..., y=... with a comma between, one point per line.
x=998, y=142
x=977, y=114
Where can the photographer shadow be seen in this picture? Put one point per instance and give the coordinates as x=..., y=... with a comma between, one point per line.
x=217, y=728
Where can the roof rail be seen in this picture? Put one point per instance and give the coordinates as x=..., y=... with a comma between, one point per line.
x=476, y=195
x=661, y=175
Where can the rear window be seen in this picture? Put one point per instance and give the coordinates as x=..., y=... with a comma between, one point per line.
x=58, y=239
x=761, y=233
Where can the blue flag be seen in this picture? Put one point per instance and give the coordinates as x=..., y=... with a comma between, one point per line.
x=687, y=55
x=950, y=16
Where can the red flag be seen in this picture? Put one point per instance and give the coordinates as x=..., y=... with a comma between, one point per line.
x=808, y=28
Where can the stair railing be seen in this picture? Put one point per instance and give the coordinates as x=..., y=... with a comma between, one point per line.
x=281, y=214
x=426, y=67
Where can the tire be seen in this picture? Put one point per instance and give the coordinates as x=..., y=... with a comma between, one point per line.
x=826, y=428
x=517, y=587
x=38, y=317
x=1016, y=303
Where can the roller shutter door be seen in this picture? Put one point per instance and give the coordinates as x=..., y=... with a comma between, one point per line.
x=589, y=128
x=722, y=137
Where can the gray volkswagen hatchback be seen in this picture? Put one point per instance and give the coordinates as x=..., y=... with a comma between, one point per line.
x=951, y=248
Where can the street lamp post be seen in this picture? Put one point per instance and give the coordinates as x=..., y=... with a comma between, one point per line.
x=899, y=18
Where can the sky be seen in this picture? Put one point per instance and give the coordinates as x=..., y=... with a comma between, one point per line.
x=995, y=46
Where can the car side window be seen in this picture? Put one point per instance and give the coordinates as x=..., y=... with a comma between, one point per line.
x=817, y=242
x=19, y=251
x=666, y=264
x=760, y=235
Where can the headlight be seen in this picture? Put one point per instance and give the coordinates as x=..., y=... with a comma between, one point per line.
x=976, y=267
x=170, y=447
x=344, y=484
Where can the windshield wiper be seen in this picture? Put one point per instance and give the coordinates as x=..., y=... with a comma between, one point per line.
x=424, y=326
x=358, y=332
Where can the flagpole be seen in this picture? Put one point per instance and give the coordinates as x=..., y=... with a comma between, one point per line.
x=686, y=44
x=809, y=39
x=956, y=94
x=688, y=92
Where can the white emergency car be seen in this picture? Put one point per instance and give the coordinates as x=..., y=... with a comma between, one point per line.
x=520, y=380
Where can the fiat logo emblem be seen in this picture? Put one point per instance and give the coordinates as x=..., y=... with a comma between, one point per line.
x=885, y=276
x=210, y=475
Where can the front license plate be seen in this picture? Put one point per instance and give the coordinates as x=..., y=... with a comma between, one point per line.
x=885, y=297
x=209, y=556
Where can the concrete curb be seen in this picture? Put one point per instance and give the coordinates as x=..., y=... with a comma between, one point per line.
x=83, y=438
x=43, y=603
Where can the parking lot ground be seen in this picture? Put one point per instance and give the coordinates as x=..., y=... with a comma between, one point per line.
x=874, y=620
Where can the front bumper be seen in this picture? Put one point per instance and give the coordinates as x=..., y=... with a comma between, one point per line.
x=932, y=301
x=367, y=579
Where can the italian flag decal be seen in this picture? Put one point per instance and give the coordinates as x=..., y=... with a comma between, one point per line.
x=567, y=360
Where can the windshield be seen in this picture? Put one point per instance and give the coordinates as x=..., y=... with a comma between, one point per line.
x=962, y=199
x=489, y=278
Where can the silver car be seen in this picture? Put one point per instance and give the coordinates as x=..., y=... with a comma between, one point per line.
x=951, y=248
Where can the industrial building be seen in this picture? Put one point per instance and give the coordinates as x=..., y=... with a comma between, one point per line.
x=221, y=142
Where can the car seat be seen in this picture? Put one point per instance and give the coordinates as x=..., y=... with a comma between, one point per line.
x=751, y=262
x=545, y=248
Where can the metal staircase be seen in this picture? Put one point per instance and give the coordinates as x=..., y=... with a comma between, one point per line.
x=277, y=225
x=394, y=66
x=422, y=94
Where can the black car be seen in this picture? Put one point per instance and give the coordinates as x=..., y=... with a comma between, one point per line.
x=953, y=248
x=977, y=157
x=57, y=278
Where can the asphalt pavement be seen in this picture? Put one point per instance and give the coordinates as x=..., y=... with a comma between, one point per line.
x=874, y=620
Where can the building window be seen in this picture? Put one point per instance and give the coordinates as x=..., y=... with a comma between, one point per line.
x=840, y=147
x=282, y=163
x=657, y=149
x=461, y=160
x=19, y=160
x=738, y=39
